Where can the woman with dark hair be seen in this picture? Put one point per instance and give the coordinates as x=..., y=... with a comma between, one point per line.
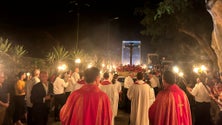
x=118, y=90
x=19, y=113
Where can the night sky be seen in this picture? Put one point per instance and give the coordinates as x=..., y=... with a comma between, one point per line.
x=39, y=25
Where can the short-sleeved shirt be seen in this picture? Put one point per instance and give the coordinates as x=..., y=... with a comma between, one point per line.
x=4, y=93
x=20, y=88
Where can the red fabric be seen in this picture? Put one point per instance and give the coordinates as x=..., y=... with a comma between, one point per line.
x=170, y=108
x=105, y=82
x=87, y=106
x=82, y=82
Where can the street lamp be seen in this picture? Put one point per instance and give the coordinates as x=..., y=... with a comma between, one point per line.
x=62, y=67
x=176, y=69
x=78, y=61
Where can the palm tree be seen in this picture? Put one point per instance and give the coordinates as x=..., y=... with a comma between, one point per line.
x=58, y=54
x=10, y=55
x=18, y=51
x=83, y=56
x=5, y=46
x=77, y=54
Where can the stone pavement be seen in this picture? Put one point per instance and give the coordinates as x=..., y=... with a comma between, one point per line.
x=121, y=119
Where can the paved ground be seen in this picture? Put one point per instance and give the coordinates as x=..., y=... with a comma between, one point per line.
x=121, y=119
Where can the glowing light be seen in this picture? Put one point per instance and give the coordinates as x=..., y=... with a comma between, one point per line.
x=195, y=69
x=78, y=60
x=62, y=67
x=137, y=62
x=144, y=66
x=89, y=66
x=176, y=69
x=103, y=65
x=180, y=74
x=28, y=73
x=203, y=68
x=114, y=67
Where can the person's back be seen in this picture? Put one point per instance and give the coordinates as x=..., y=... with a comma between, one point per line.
x=109, y=90
x=175, y=105
x=87, y=100
x=117, y=91
x=107, y=87
x=87, y=105
x=171, y=106
x=140, y=95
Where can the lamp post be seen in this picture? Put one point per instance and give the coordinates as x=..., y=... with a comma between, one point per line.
x=77, y=28
x=108, y=31
x=78, y=4
x=77, y=61
x=108, y=36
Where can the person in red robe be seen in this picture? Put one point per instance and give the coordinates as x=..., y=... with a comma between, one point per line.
x=87, y=105
x=171, y=106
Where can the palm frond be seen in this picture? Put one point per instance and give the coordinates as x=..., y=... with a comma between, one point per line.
x=58, y=53
x=19, y=51
x=5, y=45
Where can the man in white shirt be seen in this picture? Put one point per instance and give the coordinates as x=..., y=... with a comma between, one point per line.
x=154, y=82
x=75, y=75
x=59, y=93
x=142, y=97
x=202, y=98
x=71, y=84
x=35, y=79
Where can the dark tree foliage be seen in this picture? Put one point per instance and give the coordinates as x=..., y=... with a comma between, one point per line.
x=179, y=28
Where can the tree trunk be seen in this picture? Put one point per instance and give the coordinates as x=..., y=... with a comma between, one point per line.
x=202, y=41
x=215, y=9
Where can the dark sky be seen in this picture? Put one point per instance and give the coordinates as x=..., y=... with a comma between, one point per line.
x=41, y=24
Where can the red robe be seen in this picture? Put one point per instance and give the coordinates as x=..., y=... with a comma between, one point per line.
x=105, y=82
x=171, y=107
x=87, y=106
x=82, y=82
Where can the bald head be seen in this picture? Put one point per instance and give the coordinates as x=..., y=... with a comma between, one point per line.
x=36, y=72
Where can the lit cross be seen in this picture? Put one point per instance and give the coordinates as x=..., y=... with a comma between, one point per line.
x=131, y=46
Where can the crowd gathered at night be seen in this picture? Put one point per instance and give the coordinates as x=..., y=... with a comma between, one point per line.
x=91, y=97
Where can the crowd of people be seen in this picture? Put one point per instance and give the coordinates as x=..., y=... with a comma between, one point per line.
x=89, y=98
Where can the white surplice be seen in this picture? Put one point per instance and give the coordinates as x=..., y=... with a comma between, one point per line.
x=118, y=89
x=141, y=96
x=110, y=91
